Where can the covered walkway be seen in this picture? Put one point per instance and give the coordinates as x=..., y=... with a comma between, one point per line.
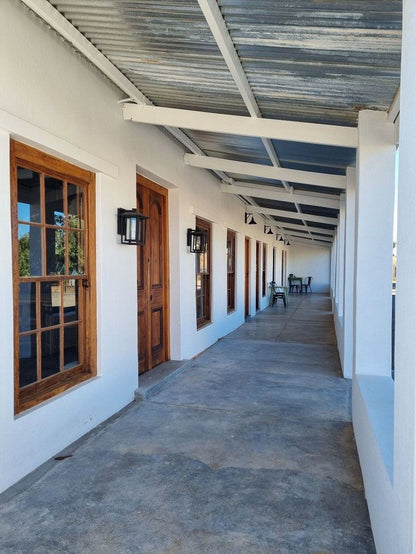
x=250, y=449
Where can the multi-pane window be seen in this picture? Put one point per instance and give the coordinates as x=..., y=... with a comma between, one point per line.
x=52, y=216
x=202, y=273
x=230, y=270
x=263, y=270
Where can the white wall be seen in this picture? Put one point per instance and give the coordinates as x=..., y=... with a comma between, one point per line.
x=54, y=100
x=311, y=260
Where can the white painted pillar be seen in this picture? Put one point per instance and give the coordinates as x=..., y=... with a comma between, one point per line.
x=333, y=267
x=374, y=238
x=349, y=250
x=405, y=349
x=340, y=257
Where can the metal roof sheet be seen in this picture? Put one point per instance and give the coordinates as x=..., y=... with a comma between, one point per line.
x=313, y=61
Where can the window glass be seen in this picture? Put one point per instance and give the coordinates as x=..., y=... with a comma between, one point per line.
x=27, y=360
x=27, y=307
x=50, y=303
x=75, y=207
x=55, y=251
x=28, y=195
x=30, y=250
x=54, y=201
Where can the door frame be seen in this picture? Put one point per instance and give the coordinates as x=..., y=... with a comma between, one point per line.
x=151, y=185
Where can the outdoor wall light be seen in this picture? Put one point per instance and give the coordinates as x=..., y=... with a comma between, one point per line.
x=131, y=226
x=281, y=238
x=197, y=241
x=268, y=230
x=249, y=219
x=287, y=243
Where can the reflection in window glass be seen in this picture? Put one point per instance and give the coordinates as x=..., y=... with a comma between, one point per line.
x=54, y=201
x=55, y=251
x=76, y=252
x=27, y=307
x=50, y=303
x=28, y=195
x=75, y=207
x=70, y=300
x=50, y=353
x=71, y=347
x=27, y=360
x=30, y=250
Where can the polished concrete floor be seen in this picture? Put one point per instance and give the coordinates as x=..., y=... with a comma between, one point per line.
x=249, y=449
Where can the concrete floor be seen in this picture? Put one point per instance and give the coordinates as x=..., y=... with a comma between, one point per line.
x=249, y=449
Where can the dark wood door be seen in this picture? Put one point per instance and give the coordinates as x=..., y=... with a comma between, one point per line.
x=257, y=276
x=152, y=277
x=247, y=278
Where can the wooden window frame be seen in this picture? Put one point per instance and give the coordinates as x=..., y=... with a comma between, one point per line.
x=263, y=269
x=202, y=224
x=32, y=394
x=230, y=270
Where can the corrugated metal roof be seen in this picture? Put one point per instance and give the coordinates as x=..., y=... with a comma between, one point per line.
x=317, y=61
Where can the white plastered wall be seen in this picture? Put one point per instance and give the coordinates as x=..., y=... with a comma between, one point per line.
x=311, y=260
x=56, y=101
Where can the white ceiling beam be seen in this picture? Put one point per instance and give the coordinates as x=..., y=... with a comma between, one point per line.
x=291, y=215
x=295, y=227
x=313, y=133
x=268, y=172
x=261, y=186
x=293, y=234
x=309, y=242
x=273, y=194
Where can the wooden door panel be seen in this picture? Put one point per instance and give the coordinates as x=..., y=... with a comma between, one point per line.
x=156, y=241
x=142, y=341
x=152, y=271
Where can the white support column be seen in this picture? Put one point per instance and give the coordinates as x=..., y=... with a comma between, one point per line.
x=405, y=350
x=348, y=300
x=340, y=258
x=334, y=266
x=374, y=237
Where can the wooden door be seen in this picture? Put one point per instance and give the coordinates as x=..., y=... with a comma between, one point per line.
x=257, y=275
x=247, y=278
x=152, y=277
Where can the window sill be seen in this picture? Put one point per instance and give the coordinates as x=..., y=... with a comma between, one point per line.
x=201, y=326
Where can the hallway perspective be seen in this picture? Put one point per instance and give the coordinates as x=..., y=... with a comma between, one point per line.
x=249, y=450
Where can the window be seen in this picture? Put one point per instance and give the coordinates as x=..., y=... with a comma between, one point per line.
x=263, y=271
x=230, y=270
x=53, y=274
x=203, y=282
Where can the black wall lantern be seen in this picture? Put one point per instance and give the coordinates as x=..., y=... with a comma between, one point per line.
x=268, y=230
x=249, y=219
x=197, y=241
x=131, y=226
